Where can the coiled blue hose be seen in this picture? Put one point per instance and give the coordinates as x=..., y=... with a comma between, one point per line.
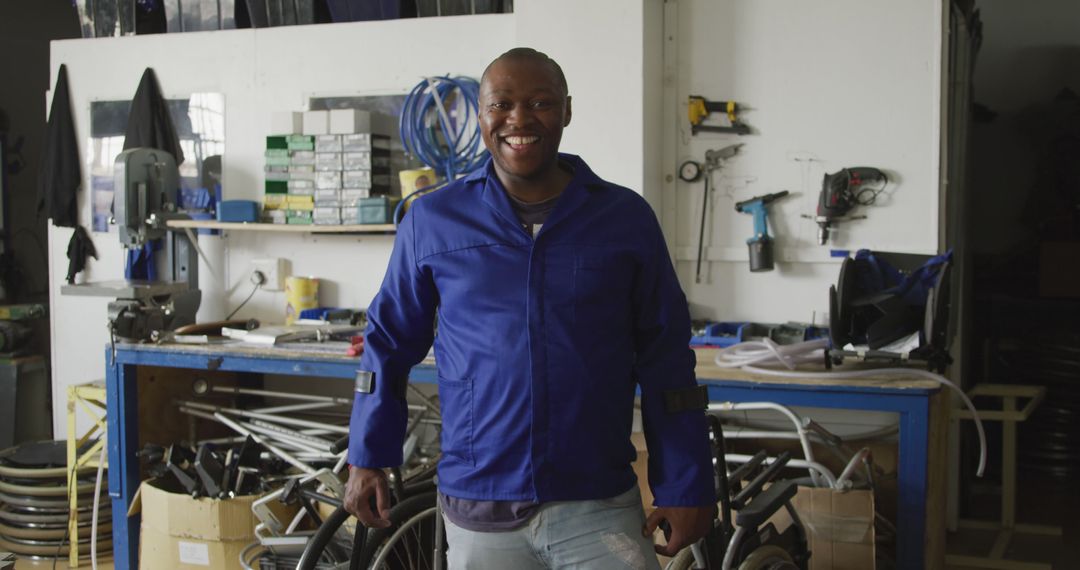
x=451, y=145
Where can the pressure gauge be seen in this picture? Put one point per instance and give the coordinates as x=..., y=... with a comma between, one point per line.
x=690, y=171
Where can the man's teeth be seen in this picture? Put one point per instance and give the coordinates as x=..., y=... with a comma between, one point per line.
x=521, y=140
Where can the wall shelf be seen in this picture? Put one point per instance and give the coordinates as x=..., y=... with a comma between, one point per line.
x=294, y=228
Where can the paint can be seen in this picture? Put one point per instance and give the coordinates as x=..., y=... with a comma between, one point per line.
x=413, y=180
x=300, y=293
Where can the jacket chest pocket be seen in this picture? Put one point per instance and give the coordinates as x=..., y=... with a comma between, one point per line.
x=602, y=285
x=456, y=401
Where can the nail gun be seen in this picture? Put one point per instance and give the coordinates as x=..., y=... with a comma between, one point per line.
x=841, y=192
x=698, y=108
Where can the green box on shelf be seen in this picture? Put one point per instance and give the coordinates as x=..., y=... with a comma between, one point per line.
x=298, y=220
x=376, y=210
x=278, y=152
x=277, y=187
x=299, y=145
x=276, y=142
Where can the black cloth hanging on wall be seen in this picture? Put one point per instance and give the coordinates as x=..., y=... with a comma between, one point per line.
x=61, y=173
x=149, y=124
x=61, y=176
x=79, y=248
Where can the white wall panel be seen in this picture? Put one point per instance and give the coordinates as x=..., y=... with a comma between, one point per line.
x=826, y=85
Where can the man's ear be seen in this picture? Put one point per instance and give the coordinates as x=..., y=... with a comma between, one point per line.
x=566, y=120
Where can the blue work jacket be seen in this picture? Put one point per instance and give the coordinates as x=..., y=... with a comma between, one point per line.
x=541, y=344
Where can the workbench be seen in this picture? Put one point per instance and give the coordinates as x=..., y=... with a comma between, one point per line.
x=910, y=398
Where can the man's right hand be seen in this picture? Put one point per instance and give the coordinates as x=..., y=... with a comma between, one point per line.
x=363, y=486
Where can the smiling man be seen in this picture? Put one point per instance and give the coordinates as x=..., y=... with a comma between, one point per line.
x=556, y=301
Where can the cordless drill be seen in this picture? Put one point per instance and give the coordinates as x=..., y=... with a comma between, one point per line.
x=761, y=244
x=843, y=190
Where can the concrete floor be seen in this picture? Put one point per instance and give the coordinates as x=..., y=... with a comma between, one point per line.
x=1039, y=501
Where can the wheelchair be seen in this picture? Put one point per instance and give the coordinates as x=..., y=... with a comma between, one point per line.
x=747, y=540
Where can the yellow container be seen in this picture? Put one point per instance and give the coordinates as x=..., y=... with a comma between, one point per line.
x=300, y=293
x=413, y=180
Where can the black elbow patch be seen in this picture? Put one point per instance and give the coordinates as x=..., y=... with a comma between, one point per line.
x=684, y=399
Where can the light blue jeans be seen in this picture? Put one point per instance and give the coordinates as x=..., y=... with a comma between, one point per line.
x=603, y=534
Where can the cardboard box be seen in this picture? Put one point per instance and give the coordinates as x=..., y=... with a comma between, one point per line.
x=181, y=532
x=376, y=210
x=316, y=123
x=839, y=527
x=328, y=143
x=286, y=122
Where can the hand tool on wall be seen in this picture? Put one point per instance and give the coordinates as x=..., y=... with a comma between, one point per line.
x=699, y=108
x=714, y=159
x=841, y=192
x=761, y=243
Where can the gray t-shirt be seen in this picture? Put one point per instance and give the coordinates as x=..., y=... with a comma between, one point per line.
x=496, y=516
x=533, y=214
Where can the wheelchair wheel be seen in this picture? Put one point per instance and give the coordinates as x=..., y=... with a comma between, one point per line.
x=409, y=542
x=768, y=557
x=684, y=560
x=321, y=548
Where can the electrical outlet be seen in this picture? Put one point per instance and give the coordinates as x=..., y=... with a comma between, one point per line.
x=275, y=271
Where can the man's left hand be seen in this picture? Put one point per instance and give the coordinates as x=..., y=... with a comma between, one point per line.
x=688, y=525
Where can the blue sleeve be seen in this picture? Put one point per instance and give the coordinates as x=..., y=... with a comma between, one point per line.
x=400, y=331
x=680, y=471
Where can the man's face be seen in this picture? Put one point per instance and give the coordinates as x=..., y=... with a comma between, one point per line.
x=522, y=114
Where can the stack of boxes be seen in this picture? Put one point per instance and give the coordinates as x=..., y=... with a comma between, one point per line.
x=323, y=175
x=290, y=179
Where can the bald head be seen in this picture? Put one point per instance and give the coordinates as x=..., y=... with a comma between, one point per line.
x=529, y=54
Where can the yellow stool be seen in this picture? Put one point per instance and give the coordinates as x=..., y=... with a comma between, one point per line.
x=91, y=398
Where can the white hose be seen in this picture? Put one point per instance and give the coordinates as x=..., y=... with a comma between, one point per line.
x=745, y=355
x=97, y=503
x=766, y=350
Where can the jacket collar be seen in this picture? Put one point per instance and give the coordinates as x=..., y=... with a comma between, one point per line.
x=573, y=197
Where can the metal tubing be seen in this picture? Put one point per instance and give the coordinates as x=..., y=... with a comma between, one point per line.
x=414, y=423
x=297, y=435
x=342, y=462
x=729, y=556
x=844, y=480
x=282, y=395
x=289, y=458
x=283, y=438
x=804, y=441
x=86, y=18
x=440, y=535
x=701, y=230
x=428, y=402
x=809, y=465
x=295, y=407
x=268, y=417
x=212, y=417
